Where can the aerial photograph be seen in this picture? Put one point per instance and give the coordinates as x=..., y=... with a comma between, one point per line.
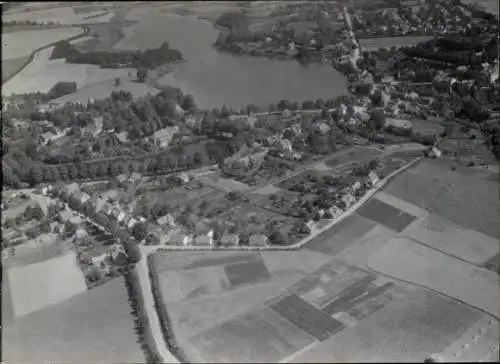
x=308, y=181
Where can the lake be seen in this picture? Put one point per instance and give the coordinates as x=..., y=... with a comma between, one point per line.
x=217, y=78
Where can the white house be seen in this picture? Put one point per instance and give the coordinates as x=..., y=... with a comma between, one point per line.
x=258, y=240
x=181, y=239
x=230, y=239
x=348, y=199
x=435, y=152
x=82, y=197
x=168, y=219
x=131, y=222
x=335, y=211
x=183, y=177
x=373, y=178
x=118, y=214
x=355, y=186
x=71, y=189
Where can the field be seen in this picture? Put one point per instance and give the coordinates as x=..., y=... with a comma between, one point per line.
x=410, y=261
x=11, y=66
x=95, y=325
x=22, y=43
x=386, y=215
x=41, y=74
x=61, y=15
x=101, y=90
x=468, y=200
x=304, y=176
x=407, y=330
x=36, y=286
x=373, y=44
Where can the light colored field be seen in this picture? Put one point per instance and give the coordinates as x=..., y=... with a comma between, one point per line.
x=322, y=167
x=467, y=200
x=20, y=44
x=93, y=327
x=179, y=286
x=407, y=330
x=400, y=204
x=35, y=251
x=41, y=74
x=407, y=260
x=103, y=89
x=470, y=245
x=194, y=316
x=372, y=44
x=61, y=15
x=39, y=285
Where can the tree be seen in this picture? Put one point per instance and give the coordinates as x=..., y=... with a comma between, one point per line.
x=377, y=119
x=142, y=73
x=140, y=231
x=118, y=81
x=188, y=103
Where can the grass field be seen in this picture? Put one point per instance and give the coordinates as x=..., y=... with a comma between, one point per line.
x=407, y=330
x=410, y=261
x=95, y=325
x=36, y=286
x=467, y=200
x=42, y=73
x=22, y=43
x=385, y=215
x=11, y=66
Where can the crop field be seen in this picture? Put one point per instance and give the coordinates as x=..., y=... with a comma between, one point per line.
x=333, y=241
x=357, y=155
x=410, y=261
x=373, y=44
x=427, y=127
x=441, y=190
x=385, y=215
x=21, y=44
x=42, y=73
x=407, y=329
x=95, y=325
x=30, y=291
x=11, y=66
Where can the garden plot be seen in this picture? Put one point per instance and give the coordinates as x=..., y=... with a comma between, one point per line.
x=466, y=200
x=42, y=73
x=96, y=325
x=301, y=177
x=21, y=44
x=412, y=262
x=358, y=155
x=39, y=285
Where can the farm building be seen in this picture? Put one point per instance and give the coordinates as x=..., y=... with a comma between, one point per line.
x=82, y=197
x=372, y=178
x=71, y=189
x=164, y=136
x=399, y=125
x=168, y=219
x=348, y=199
x=435, y=152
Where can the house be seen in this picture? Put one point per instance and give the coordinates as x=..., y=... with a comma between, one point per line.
x=107, y=208
x=82, y=197
x=310, y=224
x=180, y=239
x=398, y=125
x=164, y=136
x=75, y=219
x=373, y=179
x=71, y=189
x=323, y=128
x=81, y=233
x=118, y=214
x=348, y=199
x=435, y=152
x=183, y=177
x=202, y=240
x=122, y=178
x=99, y=204
x=230, y=239
x=335, y=211
x=122, y=137
x=356, y=186
x=258, y=240
x=131, y=222
x=168, y=219
x=135, y=177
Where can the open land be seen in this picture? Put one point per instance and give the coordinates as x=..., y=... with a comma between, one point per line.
x=95, y=325
x=373, y=44
x=30, y=291
x=60, y=15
